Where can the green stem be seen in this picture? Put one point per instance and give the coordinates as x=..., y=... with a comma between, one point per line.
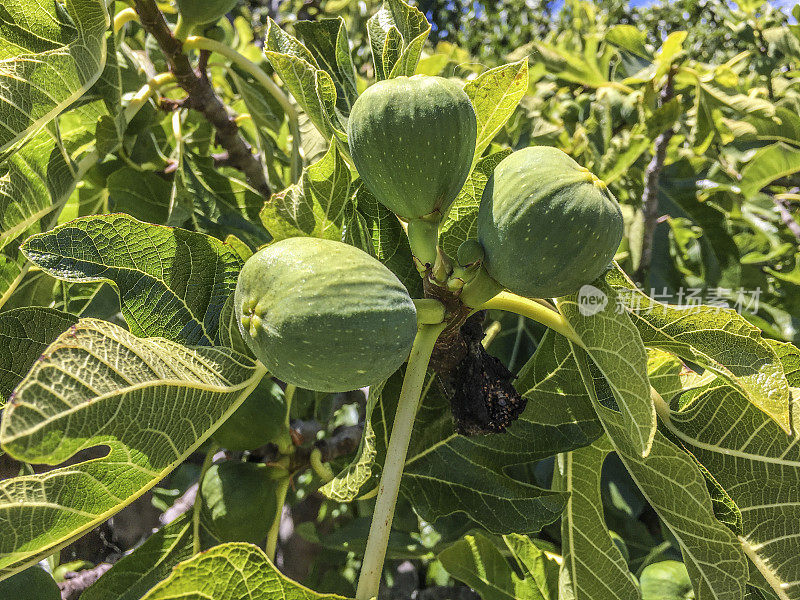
x=423, y=236
x=288, y=395
x=182, y=29
x=124, y=17
x=14, y=284
x=197, y=42
x=322, y=470
x=272, y=537
x=429, y=311
x=618, y=86
x=517, y=342
x=198, y=500
x=478, y=288
x=143, y=95
x=375, y=553
x=532, y=309
x=491, y=333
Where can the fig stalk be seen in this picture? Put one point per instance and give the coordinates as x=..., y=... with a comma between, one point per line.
x=534, y=310
x=198, y=500
x=479, y=288
x=423, y=237
x=375, y=553
x=274, y=530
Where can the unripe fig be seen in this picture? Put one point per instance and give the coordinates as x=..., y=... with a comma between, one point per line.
x=412, y=140
x=470, y=252
x=324, y=315
x=260, y=419
x=200, y=12
x=239, y=500
x=547, y=224
x=34, y=583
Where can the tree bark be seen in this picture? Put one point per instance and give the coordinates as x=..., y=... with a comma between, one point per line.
x=203, y=98
x=651, y=188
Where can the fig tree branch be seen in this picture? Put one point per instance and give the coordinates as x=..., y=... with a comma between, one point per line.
x=73, y=587
x=266, y=82
x=651, y=188
x=203, y=98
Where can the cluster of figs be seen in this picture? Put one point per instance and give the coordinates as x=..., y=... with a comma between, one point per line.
x=326, y=316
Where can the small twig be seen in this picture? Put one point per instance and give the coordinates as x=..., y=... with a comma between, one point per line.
x=203, y=97
x=221, y=159
x=786, y=217
x=650, y=195
x=202, y=65
x=181, y=506
x=77, y=583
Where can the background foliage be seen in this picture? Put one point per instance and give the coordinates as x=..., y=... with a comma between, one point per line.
x=125, y=218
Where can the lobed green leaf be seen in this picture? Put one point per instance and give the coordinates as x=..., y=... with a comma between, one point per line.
x=149, y=564
x=593, y=565
x=52, y=53
x=476, y=561
x=674, y=486
x=616, y=347
x=231, y=572
x=172, y=283
x=24, y=334
x=495, y=95
x=150, y=401
x=716, y=338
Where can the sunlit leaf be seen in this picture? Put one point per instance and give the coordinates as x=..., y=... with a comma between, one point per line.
x=231, y=572
x=717, y=338
x=315, y=207
x=152, y=402
x=674, y=486
x=313, y=88
x=326, y=40
x=593, y=566
x=495, y=95
x=461, y=222
x=397, y=33
x=133, y=575
x=24, y=334
x=51, y=53
x=757, y=465
x=769, y=163
x=476, y=561
x=172, y=283
x=616, y=347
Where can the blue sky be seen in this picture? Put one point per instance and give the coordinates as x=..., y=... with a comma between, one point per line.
x=788, y=4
